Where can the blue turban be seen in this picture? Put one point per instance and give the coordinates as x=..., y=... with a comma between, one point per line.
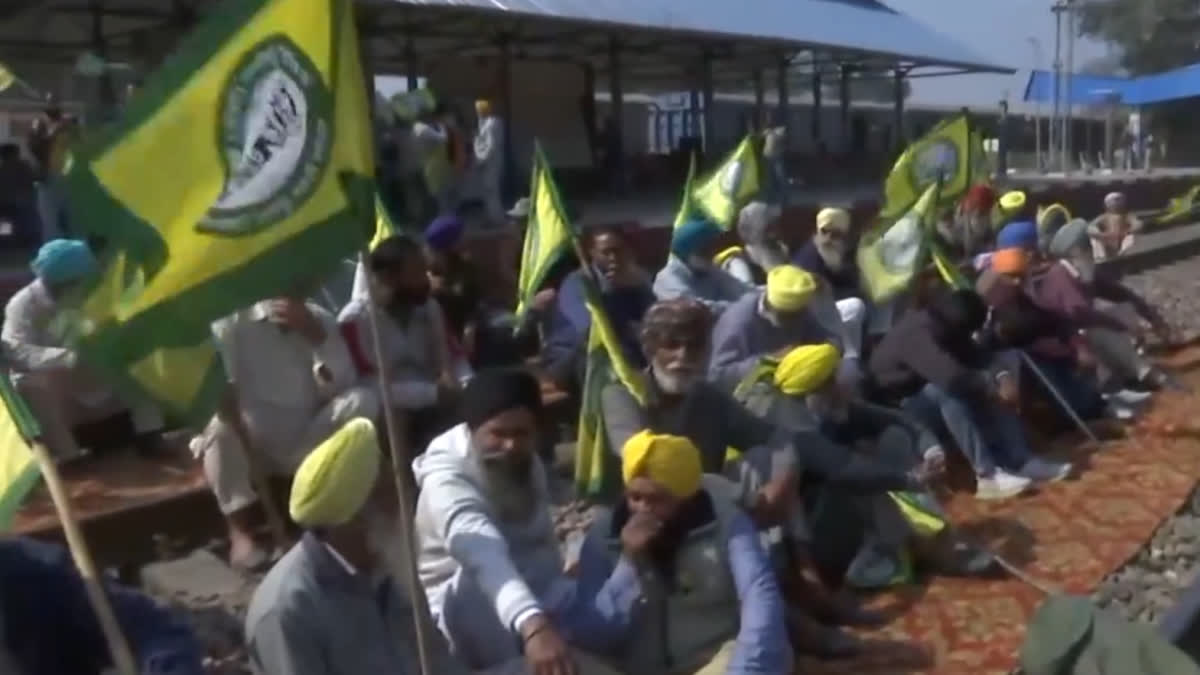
x=444, y=232
x=1021, y=234
x=692, y=236
x=62, y=261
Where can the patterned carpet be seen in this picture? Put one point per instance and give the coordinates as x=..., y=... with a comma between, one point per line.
x=1070, y=535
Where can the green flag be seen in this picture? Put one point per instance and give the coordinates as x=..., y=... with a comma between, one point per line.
x=892, y=255
x=723, y=193
x=241, y=169
x=950, y=153
x=18, y=467
x=547, y=235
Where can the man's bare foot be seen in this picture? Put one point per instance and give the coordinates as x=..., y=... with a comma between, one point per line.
x=245, y=554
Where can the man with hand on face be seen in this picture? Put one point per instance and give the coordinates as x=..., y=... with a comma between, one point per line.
x=412, y=329
x=690, y=272
x=292, y=384
x=624, y=291
x=675, y=338
x=488, y=555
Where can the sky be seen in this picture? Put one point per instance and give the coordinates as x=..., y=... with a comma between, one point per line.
x=1000, y=31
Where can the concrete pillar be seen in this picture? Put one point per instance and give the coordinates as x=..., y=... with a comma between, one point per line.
x=508, y=187
x=781, y=84
x=844, y=105
x=693, y=124
x=710, y=108
x=760, y=105
x=587, y=108
x=817, y=107
x=411, y=67
x=616, y=94
x=1002, y=141
x=106, y=92
x=898, y=108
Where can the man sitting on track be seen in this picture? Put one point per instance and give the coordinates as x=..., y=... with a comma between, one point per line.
x=330, y=606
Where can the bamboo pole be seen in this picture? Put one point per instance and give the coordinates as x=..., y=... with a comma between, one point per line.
x=400, y=471
x=118, y=646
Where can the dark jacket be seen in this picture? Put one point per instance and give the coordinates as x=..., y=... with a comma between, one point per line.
x=570, y=322
x=845, y=283
x=50, y=628
x=916, y=352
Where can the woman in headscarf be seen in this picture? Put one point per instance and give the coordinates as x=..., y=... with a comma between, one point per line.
x=712, y=604
x=1112, y=232
x=690, y=271
x=762, y=248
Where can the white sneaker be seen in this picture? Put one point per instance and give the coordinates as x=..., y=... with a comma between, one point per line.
x=1119, y=411
x=1000, y=485
x=1128, y=397
x=1042, y=471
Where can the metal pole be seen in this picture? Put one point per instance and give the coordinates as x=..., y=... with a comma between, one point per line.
x=710, y=113
x=1037, y=106
x=760, y=101
x=1068, y=153
x=781, y=85
x=844, y=106
x=616, y=93
x=1055, y=137
x=818, y=107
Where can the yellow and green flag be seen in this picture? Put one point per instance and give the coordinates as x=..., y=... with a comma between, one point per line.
x=596, y=472
x=7, y=77
x=892, y=255
x=18, y=467
x=196, y=225
x=723, y=193
x=1180, y=208
x=385, y=226
x=548, y=233
x=687, y=206
x=949, y=153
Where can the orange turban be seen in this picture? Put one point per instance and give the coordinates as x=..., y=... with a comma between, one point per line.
x=1012, y=261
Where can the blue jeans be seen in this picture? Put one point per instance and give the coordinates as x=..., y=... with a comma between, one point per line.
x=988, y=437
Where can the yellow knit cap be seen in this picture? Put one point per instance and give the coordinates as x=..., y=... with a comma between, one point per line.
x=1012, y=202
x=804, y=369
x=671, y=461
x=336, y=478
x=789, y=288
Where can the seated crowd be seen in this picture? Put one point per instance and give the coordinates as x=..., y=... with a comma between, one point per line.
x=786, y=452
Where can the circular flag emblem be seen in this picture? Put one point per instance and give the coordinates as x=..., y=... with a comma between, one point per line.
x=731, y=179
x=275, y=132
x=939, y=158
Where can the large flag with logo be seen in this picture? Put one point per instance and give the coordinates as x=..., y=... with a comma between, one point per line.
x=596, y=473
x=892, y=255
x=949, y=153
x=197, y=224
x=547, y=235
x=18, y=467
x=723, y=193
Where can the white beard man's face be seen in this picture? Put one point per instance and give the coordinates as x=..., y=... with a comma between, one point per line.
x=675, y=379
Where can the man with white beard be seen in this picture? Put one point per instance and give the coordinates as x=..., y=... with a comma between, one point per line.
x=829, y=256
x=487, y=552
x=675, y=339
x=762, y=249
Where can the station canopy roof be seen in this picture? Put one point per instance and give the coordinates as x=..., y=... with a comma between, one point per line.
x=661, y=40
x=1171, y=85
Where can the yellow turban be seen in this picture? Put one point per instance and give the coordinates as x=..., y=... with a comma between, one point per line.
x=483, y=107
x=671, y=461
x=1011, y=202
x=804, y=369
x=336, y=478
x=835, y=219
x=720, y=258
x=789, y=288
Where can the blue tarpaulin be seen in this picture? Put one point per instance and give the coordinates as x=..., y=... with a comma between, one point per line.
x=1171, y=85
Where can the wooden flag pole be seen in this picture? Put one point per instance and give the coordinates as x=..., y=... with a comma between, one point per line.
x=118, y=646
x=400, y=471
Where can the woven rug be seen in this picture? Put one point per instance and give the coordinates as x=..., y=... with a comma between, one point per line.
x=1070, y=534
